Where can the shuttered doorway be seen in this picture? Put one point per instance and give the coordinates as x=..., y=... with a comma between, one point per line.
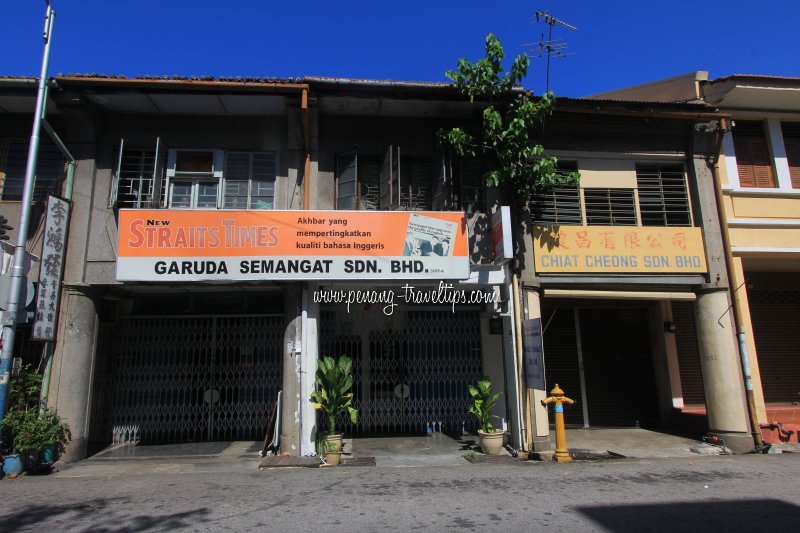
x=617, y=362
x=775, y=314
x=174, y=379
x=411, y=369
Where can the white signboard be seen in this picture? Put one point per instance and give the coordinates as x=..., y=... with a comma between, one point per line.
x=501, y=235
x=51, y=269
x=534, y=355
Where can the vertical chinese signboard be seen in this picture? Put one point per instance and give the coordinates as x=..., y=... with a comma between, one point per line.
x=51, y=269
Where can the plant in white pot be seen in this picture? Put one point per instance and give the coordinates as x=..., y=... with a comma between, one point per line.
x=490, y=438
x=334, y=397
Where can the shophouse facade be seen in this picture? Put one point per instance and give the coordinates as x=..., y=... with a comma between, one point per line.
x=207, y=249
x=628, y=274
x=215, y=222
x=759, y=178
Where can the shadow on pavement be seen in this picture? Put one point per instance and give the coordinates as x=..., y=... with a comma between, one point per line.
x=97, y=515
x=731, y=515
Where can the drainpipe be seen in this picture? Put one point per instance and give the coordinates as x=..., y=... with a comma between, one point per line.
x=307, y=165
x=736, y=307
x=524, y=419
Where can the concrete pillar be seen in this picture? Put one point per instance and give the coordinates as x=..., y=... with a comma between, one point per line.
x=292, y=351
x=73, y=367
x=540, y=425
x=722, y=375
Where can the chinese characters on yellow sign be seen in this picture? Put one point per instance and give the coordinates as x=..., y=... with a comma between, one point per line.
x=619, y=249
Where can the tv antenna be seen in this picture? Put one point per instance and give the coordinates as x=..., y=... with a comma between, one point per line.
x=551, y=47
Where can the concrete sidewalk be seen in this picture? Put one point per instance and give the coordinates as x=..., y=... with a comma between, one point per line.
x=203, y=457
x=432, y=450
x=638, y=443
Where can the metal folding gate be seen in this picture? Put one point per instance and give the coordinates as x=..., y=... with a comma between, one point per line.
x=187, y=378
x=411, y=369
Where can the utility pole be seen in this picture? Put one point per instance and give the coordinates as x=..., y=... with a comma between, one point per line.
x=552, y=47
x=18, y=269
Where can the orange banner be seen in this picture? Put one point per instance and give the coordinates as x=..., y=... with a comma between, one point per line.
x=216, y=244
x=619, y=249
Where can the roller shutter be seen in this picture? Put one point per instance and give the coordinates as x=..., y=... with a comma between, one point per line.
x=561, y=359
x=618, y=364
x=620, y=385
x=775, y=314
x=688, y=354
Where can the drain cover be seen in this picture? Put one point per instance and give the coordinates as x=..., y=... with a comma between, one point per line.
x=593, y=455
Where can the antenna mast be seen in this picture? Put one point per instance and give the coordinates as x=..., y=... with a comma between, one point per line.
x=553, y=47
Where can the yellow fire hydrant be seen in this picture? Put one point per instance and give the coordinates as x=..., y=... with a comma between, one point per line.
x=557, y=397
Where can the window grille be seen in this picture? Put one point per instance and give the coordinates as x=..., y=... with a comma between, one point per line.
x=610, y=207
x=415, y=187
x=663, y=198
x=135, y=189
x=473, y=188
x=561, y=204
x=360, y=178
x=358, y=181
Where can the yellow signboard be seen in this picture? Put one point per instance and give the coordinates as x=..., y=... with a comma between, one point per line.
x=648, y=249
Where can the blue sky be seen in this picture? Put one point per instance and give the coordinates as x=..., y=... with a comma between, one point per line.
x=618, y=43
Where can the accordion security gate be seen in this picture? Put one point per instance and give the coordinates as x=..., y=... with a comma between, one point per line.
x=411, y=369
x=190, y=378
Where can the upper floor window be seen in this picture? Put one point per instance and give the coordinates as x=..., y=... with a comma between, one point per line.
x=658, y=197
x=136, y=178
x=391, y=181
x=195, y=179
x=249, y=180
x=472, y=185
x=13, y=163
x=609, y=207
x=752, y=155
x=791, y=140
x=358, y=181
x=663, y=198
x=561, y=204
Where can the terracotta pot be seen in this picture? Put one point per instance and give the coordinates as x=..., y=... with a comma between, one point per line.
x=333, y=458
x=491, y=443
x=336, y=440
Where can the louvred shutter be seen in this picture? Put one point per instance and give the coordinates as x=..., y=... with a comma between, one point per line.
x=762, y=168
x=752, y=159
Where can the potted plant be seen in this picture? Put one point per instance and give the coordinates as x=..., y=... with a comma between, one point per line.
x=30, y=434
x=490, y=438
x=333, y=396
x=57, y=435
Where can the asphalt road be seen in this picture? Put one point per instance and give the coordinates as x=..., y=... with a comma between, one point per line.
x=734, y=493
